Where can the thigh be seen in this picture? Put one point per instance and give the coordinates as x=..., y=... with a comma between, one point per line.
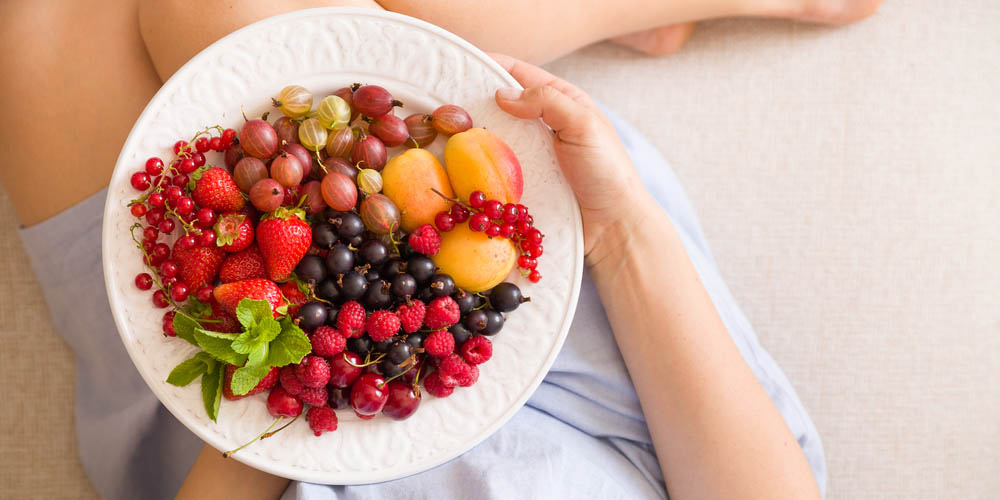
x=176, y=30
x=76, y=75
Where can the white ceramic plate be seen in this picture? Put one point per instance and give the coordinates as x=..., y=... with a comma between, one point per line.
x=424, y=66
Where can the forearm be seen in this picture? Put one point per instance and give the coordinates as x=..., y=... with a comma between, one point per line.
x=716, y=432
x=212, y=476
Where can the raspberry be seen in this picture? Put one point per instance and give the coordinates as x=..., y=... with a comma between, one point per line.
x=426, y=240
x=477, y=350
x=439, y=343
x=451, y=369
x=282, y=404
x=313, y=371
x=314, y=396
x=442, y=313
x=327, y=342
x=411, y=315
x=469, y=376
x=435, y=388
x=265, y=383
x=382, y=325
x=322, y=419
x=351, y=320
x=290, y=381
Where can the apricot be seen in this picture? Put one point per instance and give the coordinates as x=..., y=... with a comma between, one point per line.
x=479, y=160
x=408, y=180
x=475, y=261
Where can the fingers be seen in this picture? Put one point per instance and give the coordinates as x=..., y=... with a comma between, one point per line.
x=555, y=108
x=529, y=75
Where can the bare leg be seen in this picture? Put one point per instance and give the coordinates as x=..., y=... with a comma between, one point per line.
x=77, y=74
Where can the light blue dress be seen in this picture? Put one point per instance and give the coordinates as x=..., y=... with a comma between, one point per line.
x=581, y=435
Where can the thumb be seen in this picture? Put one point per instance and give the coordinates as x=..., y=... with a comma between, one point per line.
x=556, y=109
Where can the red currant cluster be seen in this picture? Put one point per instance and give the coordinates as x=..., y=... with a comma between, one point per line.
x=498, y=219
x=165, y=202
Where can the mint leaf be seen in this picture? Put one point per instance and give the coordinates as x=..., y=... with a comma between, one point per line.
x=251, y=312
x=290, y=346
x=247, y=377
x=258, y=356
x=265, y=331
x=190, y=369
x=219, y=348
x=185, y=327
x=211, y=390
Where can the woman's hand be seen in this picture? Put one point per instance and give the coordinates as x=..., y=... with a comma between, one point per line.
x=591, y=156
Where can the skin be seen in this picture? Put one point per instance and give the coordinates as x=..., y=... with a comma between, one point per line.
x=74, y=94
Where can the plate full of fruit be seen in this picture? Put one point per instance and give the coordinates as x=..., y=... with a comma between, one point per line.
x=331, y=256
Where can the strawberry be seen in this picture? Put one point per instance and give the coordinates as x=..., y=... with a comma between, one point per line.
x=227, y=322
x=265, y=384
x=245, y=265
x=295, y=296
x=233, y=232
x=283, y=238
x=199, y=266
x=217, y=190
x=229, y=295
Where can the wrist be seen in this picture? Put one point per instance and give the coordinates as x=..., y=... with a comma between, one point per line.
x=612, y=238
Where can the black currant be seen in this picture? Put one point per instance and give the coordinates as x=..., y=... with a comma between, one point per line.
x=381, y=346
x=403, y=285
x=339, y=397
x=339, y=260
x=505, y=297
x=372, y=275
x=311, y=315
x=390, y=369
x=349, y=225
x=377, y=296
x=356, y=241
x=425, y=295
x=475, y=321
x=360, y=346
x=331, y=316
x=460, y=333
x=466, y=301
x=392, y=267
x=311, y=269
x=441, y=285
x=327, y=290
x=399, y=351
x=421, y=268
x=352, y=285
x=415, y=339
x=494, y=322
x=373, y=252
x=324, y=235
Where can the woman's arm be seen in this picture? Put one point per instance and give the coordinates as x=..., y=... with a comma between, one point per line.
x=212, y=476
x=716, y=432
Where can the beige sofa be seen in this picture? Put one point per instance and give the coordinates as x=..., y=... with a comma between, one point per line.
x=849, y=183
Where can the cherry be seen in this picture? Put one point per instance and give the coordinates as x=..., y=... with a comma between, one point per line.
x=444, y=221
x=342, y=373
x=169, y=269
x=160, y=299
x=138, y=210
x=401, y=401
x=157, y=199
x=206, y=217
x=143, y=281
x=140, y=181
x=479, y=222
x=204, y=294
x=282, y=404
x=184, y=205
x=459, y=214
x=369, y=394
x=493, y=209
x=207, y=238
x=154, y=166
x=477, y=199
x=187, y=242
x=201, y=144
x=179, y=292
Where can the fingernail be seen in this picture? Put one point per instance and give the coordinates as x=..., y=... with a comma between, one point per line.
x=509, y=94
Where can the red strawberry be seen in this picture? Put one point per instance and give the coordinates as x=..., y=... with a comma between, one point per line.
x=245, y=265
x=283, y=239
x=265, y=384
x=233, y=232
x=295, y=296
x=199, y=266
x=217, y=190
x=229, y=295
x=227, y=322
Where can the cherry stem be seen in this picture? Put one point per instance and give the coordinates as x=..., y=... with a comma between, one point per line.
x=263, y=435
x=367, y=362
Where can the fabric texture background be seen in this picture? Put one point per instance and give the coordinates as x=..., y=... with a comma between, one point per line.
x=847, y=181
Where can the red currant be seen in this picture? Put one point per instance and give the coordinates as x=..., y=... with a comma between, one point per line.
x=216, y=144
x=227, y=136
x=207, y=238
x=493, y=230
x=179, y=292
x=150, y=233
x=173, y=194
x=535, y=276
x=166, y=226
x=187, y=242
x=154, y=216
x=138, y=210
x=140, y=181
x=527, y=246
x=180, y=146
x=204, y=294
x=201, y=144
x=171, y=281
x=534, y=236
x=186, y=166
x=479, y=222
x=510, y=213
x=169, y=269
x=529, y=220
x=477, y=199
x=493, y=209
x=168, y=324
x=524, y=262
x=522, y=212
x=199, y=159
x=523, y=227
x=147, y=246
x=160, y=299
x=180, y=180
x=156, y=199
x=154, y=166
x=459, y=213
x=184, y=205
x=535, y=251
x=206, y=217
x=444, y=221
x=143, y=281
x=507, y=230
